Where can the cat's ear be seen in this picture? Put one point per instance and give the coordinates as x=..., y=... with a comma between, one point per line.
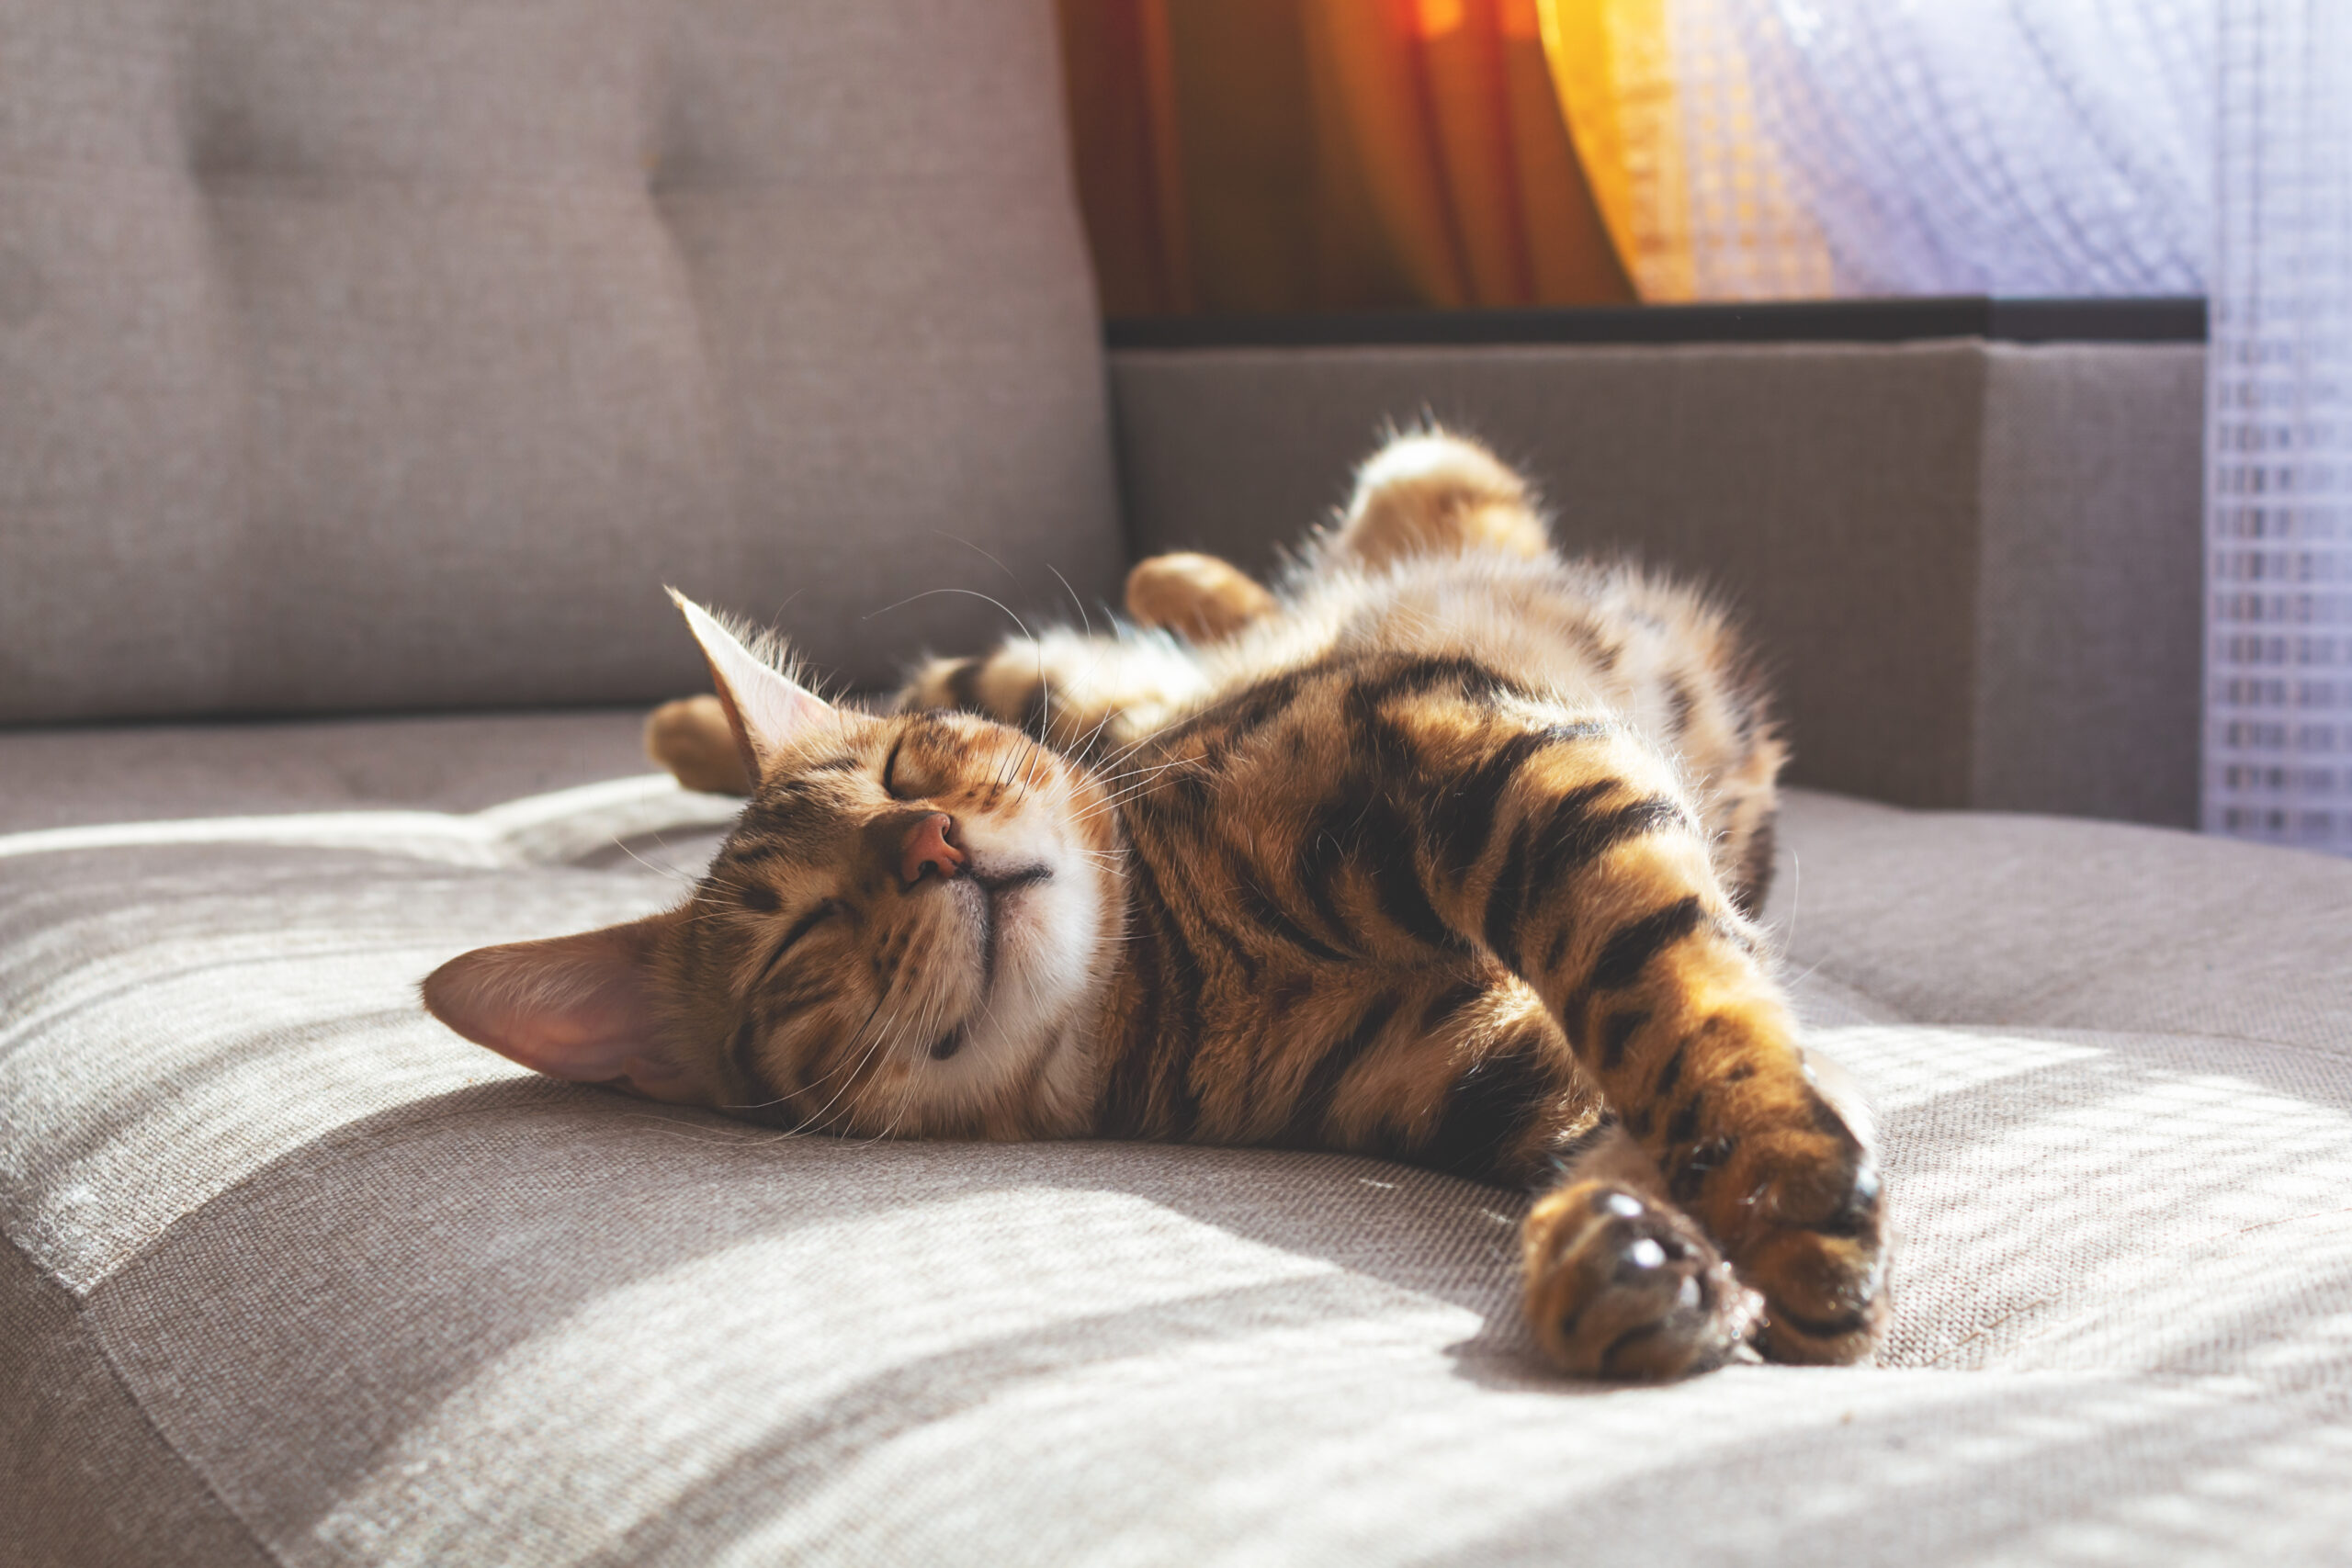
x=767, y=710
x=570, y=1007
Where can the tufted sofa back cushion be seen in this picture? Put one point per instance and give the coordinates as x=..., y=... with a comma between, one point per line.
x=370, y=354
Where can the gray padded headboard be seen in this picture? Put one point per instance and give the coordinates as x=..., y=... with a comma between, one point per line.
x=370, y=353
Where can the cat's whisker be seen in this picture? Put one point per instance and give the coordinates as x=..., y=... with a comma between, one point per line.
x=1114, y=806
x=908, y=1082
x=1132, y=783
x=1135, y=775
x=1796, y=899
x=928, y=1020
x=991, y=555
x=1136, y=745
x=824, y=1112
x=672, y=872
x=1084, y=619
x=1151, y=783
x=1045, y=690
x=1093, y=734
x=1132, y=748
x=850, y=1059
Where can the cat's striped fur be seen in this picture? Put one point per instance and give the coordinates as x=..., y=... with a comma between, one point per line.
x=1445, y=853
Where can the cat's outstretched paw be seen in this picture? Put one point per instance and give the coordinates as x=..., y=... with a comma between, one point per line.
x=1825, y=1294
x=1819, y=1258
x=1804, y=1225
x=1620, y=1285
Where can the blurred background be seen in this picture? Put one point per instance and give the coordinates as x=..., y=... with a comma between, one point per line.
x=1246, y=158
x=1238, y=156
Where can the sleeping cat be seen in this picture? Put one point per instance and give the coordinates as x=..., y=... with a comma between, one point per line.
x=1445, y=853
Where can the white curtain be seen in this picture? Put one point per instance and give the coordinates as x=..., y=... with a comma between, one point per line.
x=2279, y=470
x=2091, y=147
x=2010, y=146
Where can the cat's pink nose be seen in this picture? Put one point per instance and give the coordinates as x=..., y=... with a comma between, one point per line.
x=927, y=850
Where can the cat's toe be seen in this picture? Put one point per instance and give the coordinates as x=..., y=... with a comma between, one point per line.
x=1824, y=1297
x=1819, y=1256
x=1621, y=1286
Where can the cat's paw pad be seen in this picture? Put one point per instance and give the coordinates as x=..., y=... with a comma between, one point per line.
x=1621, y=1286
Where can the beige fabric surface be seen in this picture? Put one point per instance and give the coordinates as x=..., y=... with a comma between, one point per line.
x=2090, y=616
x=81, y=776
x=358, y=355
x=376, y=1297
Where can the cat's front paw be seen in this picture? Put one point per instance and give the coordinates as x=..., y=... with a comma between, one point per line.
x=1803, y=1214
x=1620, y=1285
x=691, y=737
x=1822, y=1267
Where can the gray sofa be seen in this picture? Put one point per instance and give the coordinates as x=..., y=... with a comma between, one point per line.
x=363, y=372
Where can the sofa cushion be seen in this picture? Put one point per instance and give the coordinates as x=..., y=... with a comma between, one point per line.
x=287, y=1255
x=91, y=775
x=358, y=355
x=1972, y=567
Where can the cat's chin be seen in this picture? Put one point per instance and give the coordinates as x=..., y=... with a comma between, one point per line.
x=991, y=911
x=1033, y=930
x=1010, y=921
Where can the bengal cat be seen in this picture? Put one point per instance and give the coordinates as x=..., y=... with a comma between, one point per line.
x=1446, y=851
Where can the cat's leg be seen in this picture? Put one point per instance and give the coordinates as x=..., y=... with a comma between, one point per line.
x=1432, y=492
x=691, y=738
x=1083, y=693
x=1619, y=1282
x=1200, y=598
x=1429, y=493
x=1565, y=849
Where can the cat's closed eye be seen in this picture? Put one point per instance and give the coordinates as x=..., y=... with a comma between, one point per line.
x=907, y=778
x=799, y=928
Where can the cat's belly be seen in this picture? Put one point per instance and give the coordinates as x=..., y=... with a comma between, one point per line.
x=1452, y=1065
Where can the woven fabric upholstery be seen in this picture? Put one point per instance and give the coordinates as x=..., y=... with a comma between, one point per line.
x=356, y=355
x=293, y=1275
x=81, y=776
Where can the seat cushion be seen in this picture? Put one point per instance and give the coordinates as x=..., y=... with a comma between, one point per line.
x=356, y=355
x=296, y=1276
x=88, y=775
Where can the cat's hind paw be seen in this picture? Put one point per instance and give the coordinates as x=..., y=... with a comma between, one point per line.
x=1621, y=1286
x=1432, y=492
x=1200, y=598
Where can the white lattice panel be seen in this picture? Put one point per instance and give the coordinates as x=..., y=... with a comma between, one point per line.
x=2279, y=521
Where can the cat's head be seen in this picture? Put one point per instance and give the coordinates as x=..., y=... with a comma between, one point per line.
x=905, y=933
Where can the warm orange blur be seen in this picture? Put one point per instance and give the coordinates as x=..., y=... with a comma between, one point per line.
x=1272, y=155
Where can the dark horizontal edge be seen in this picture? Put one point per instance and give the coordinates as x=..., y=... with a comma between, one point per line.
x=2161, y=319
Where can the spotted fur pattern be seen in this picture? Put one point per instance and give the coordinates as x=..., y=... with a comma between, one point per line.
x=1445, y=851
